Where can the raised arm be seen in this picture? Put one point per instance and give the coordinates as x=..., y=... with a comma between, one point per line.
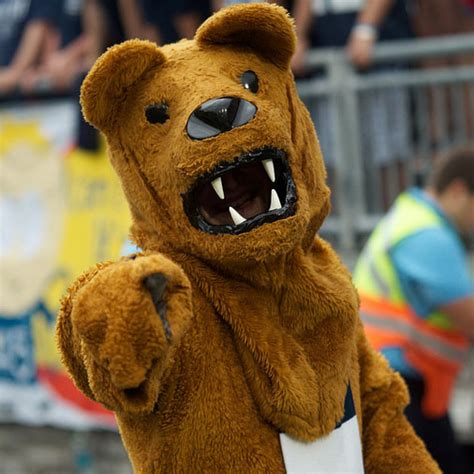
x=118, y=327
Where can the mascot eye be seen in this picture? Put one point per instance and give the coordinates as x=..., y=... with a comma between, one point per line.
x=250, y=81
x=157, y=113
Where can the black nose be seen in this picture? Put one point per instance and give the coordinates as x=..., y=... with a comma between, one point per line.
x=219, y=115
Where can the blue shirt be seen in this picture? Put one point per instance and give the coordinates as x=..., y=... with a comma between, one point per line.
x=70, y=20
x=432, y=267
x=15, y=15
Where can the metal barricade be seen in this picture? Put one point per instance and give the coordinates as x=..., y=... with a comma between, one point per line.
x=379, y=132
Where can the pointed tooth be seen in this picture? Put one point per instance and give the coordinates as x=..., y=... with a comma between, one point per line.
x=274, y=201
x=270, y=169
x=236, y=217
x=218, y=188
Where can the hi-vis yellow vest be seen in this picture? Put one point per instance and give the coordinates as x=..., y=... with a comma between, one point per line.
x=431, y=345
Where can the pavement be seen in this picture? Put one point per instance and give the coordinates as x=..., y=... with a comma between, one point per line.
x=40, y=450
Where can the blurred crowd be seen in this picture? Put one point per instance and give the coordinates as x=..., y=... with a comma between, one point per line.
x=48, y=45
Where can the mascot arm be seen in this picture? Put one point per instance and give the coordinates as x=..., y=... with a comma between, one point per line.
x=390, y=444
x=119, y=326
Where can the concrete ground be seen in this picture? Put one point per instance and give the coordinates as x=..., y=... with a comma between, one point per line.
x=30, y=450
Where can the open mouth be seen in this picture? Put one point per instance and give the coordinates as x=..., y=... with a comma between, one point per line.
x=256, y=188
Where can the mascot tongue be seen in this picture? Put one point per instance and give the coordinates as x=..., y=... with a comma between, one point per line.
x=241, y=193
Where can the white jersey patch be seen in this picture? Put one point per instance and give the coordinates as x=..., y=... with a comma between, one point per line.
x=338, y=453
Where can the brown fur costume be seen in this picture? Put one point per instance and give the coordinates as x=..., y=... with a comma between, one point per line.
x=264, y=329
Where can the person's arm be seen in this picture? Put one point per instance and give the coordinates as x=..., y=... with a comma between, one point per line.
x=135, y=16
x=364, y=33
x=134, y=22
x=461, y=313
x=303, y=20
x=186, y=24
x=434, y=276
x=374, y=12
x=132, y=18
x=27, y=54
x=94, y=26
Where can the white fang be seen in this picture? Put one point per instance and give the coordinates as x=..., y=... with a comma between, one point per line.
x=236, y=217
x=218, y=188
x=270, y=169
x=274, y=201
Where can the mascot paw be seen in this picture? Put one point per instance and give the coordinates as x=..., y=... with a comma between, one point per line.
x=130, y=315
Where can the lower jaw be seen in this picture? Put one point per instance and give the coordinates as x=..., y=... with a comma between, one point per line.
x=249, y=210
x=248, y=225
x=251, y=223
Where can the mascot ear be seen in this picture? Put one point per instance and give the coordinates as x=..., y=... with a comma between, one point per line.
x=267, y=29
x=118, y=69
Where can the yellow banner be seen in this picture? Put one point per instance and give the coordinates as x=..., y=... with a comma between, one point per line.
x=60, y=213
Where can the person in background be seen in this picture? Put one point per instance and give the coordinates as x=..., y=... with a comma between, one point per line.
x=86, y=29
x=417, y=297
x=354, y=24
x=74, y=54
x=357, y=26
x=177, y=19
x=27, y=32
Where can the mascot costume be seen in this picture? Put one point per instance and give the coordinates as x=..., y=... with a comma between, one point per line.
x=232, y=342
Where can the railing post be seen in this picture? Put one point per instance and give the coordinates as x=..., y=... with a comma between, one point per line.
x=347, y=150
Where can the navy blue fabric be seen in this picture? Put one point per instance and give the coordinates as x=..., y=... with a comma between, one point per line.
x=437, y=433
x=114, y=29
x=349, y=409
x=201, y=7
x=162, y=14
x=333, y=29
x=439, y=274
x=15, y=15
x=87, y=137
x=70, y=21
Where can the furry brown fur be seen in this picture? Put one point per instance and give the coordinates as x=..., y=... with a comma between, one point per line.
x=265, y=334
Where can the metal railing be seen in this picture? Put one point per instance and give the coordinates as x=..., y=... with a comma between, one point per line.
x=435, y=108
